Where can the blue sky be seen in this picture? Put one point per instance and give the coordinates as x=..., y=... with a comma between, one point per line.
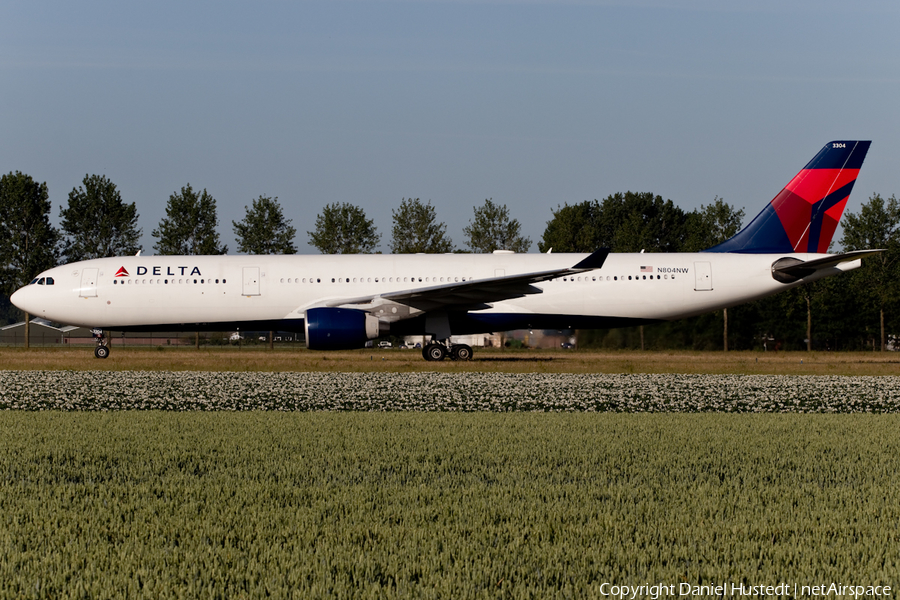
x=533, y=104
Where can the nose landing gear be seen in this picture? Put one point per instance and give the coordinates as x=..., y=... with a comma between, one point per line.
x=102, y=348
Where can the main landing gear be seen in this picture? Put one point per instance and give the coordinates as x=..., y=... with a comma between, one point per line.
x=102, y=348
x=440, y=350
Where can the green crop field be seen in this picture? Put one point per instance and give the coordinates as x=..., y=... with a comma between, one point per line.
x=154, y=504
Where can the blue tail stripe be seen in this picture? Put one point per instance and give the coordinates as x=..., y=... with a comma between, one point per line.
x=818, y=213
x=763, y=235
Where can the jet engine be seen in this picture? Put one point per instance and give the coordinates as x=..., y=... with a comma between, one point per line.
x=339, y=328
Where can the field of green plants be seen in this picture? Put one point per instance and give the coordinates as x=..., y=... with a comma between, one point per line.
x=252, y=504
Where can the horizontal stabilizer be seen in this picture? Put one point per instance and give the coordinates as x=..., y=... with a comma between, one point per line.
x=789, y=270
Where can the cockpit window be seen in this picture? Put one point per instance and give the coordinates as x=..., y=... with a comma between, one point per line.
x=41, y=281
x=33, y=281
x=49, y=281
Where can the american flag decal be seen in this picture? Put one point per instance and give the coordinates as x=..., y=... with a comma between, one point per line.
x=646, y=269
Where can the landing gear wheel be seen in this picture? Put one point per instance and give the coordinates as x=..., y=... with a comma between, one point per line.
x=101, y=351
x=461, y=352
x=434, y=352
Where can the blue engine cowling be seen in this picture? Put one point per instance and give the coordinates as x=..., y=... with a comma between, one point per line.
x=339, y=328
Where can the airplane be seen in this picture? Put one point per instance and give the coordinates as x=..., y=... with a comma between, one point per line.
x=343, y=301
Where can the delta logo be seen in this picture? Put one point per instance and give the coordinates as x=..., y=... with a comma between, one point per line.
x=122, y=272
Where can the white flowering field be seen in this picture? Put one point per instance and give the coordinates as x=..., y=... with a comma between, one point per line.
x=496, y=392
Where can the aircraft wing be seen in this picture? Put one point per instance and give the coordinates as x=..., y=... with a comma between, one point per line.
x=788, y=270
x=475, y=293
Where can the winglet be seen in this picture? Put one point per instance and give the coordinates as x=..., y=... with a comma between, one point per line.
x=594, y=261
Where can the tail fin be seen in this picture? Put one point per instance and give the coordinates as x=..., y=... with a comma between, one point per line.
x=804, y=215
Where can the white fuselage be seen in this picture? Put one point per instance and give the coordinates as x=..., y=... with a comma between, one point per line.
x=186, y=290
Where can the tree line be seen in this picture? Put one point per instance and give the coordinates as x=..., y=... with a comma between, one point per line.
x=853, y=311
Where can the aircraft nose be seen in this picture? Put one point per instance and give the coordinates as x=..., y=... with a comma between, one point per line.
x=24, y=300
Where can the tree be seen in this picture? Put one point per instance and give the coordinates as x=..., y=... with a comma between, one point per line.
x=416, y=229
x=711, y=225
x=97, y=223
x=492, y=230
x=190, y=225
x=575, y=228
x=876, y=226
x=264, y=229
x=28, y=243
x=628, y=222
x=640, y=221
x=344, y=229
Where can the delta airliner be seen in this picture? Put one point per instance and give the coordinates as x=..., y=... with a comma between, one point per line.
x=343, y=301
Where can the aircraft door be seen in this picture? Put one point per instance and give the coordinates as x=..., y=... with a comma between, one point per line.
x=251, y=281
x=702, y=277
x=88, y=283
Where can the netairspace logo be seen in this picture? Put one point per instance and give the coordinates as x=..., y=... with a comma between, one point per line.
x=737, y=590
